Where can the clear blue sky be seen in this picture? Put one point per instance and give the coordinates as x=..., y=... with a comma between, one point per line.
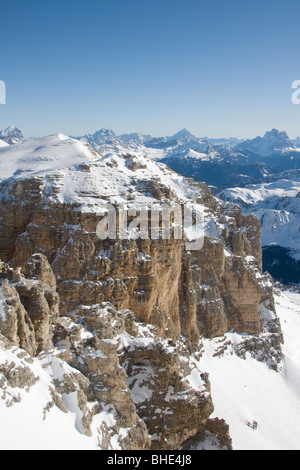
x=218, y=68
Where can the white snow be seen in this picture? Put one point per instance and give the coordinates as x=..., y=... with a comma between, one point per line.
x=195, y=380
x=29, y=425
x=246, y=392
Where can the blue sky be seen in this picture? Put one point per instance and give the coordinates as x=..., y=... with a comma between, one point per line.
x=218, y=68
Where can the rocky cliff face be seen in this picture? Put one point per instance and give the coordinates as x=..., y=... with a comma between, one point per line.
x=125, y=317
x=205, y=292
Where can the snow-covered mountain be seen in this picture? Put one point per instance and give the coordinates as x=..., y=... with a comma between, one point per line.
x=219, y=162
x=222, y=164
x=276, y=202
x=46, y=154
x=64, y=159
x=3, y=144
x=273, y=141
x=101, y=138
x=134, y=138
x=227, y=165
x=11, y=135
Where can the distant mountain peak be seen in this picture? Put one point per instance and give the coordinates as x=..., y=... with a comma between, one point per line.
x=184, y=134
x=11, y=135
x=276, y=133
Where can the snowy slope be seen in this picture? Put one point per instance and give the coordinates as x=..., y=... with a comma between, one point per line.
x=261, y=406
x=214, y=161
x=37, y=416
